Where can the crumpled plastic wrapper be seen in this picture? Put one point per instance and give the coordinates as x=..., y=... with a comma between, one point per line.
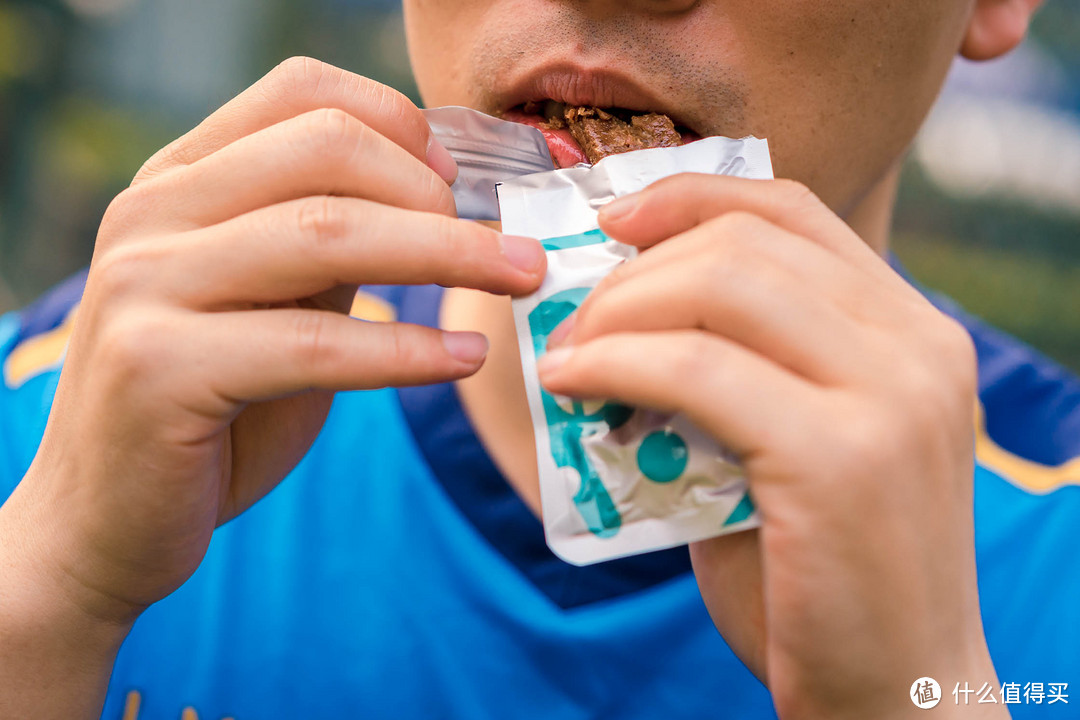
x=614, y=480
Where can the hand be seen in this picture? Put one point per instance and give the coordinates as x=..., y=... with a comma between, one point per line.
x=848, y=397
x=213, y=331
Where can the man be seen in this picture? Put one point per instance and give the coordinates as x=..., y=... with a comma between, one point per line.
x=400, y=570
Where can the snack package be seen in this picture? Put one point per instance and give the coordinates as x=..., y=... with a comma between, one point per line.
x=487, y=150
x=615, y=480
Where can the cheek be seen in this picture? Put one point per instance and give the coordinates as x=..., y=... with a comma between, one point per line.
x=439, y=34
x=841, y=88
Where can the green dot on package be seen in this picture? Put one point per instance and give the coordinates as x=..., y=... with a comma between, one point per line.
x=616, y=480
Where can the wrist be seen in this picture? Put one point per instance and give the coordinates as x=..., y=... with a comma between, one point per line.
x=42, y=597
x=56, y=654
x=964, y=675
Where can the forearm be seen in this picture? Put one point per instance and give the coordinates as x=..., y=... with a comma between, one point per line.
x=55, y=657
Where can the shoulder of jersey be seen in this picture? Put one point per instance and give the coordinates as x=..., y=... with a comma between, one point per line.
x=1027, y=421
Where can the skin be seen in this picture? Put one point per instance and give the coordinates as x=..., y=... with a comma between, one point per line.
x=213, y=334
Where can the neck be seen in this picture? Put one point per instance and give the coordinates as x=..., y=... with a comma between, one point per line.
x=494, y=398
x=872, y=216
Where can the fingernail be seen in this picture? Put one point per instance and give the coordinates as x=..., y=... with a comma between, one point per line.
x=467, y=347
x=440, y=160
x=523, y=253
x=551, y=361
x=621, y=208
x=561, y=331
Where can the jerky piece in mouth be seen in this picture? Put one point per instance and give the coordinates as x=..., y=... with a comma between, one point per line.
x=600, y=133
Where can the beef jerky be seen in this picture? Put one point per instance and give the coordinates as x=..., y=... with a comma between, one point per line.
x=600, y=133
x=656, y=130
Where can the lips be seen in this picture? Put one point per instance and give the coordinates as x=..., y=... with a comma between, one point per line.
x=540, y=96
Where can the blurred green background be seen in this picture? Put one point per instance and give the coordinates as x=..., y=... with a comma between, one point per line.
x=990, y=204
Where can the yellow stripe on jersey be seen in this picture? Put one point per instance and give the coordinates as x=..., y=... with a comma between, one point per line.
x=373, y=308
x=1025, y=474
x=38, y=354
x=134, y=701
x=131, y=705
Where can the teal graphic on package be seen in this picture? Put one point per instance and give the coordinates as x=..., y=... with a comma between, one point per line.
x=590, y=237
x=616, y=480
x=661, y=457
x=569, y=422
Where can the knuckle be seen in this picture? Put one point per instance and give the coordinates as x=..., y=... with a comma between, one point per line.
x=794, y=193
x=924, y=403
x=735, y=251
x=958, y=359
x=464, y=250
x=957, y=346
x=868, y=443
x=134, y=343
x=322, y=222
x=447, y=235
x=945, y=367
x=121, y=270
x=452, y=241
x=402, y=353
x=164, y=159
x=329, y=129
x=469, y=239
x=731, y=235
x=696, y=357
x=440, y=199
x=311, y=341
x=918, y=382
x=298, y=75
x=721, y=264
x=125, y=210
x=736, y=224
x=399, y=110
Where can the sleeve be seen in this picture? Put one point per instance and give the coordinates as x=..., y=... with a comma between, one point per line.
x=32, y=346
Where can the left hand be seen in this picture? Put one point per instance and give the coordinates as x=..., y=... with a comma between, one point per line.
x=764, y=318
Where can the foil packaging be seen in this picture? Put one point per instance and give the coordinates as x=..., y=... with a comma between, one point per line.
x=487, y=151
x=614, y=480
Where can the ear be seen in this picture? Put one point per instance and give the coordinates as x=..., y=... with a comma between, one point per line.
x=996, y=27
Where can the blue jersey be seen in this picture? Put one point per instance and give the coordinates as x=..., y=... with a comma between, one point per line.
x=395, y=573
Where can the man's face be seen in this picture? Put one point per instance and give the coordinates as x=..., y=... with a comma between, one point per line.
x=839, y=88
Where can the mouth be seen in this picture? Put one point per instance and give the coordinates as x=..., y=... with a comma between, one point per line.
x=587, y=134
x=586, y=115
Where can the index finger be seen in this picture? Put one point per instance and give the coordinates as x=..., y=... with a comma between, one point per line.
x=298, y=86
x=682, y=202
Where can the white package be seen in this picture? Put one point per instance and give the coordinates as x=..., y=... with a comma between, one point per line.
x=617, y=481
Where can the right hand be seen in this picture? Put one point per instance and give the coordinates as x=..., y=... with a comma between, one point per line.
x=213, y=331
